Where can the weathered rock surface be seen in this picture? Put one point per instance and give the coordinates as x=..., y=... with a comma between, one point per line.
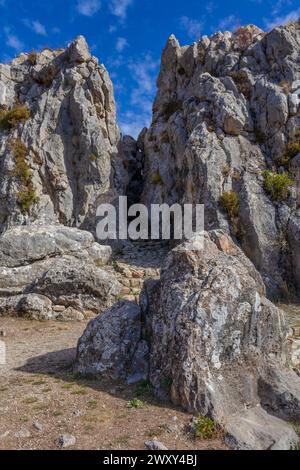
x=49, y=271
x=217, y=346
x=220, y=344
x=226, y=109
x=112, y=345
x=71, y=138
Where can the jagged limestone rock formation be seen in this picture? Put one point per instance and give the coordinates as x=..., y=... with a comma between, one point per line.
x=59, y=142
x=54, y=272
x=217, y=346
x=227, y=109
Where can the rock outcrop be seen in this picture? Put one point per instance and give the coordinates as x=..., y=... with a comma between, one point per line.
x=59, y=142
x=54, y=272
x=227, y=109
x=112, y=345
x=217, y=346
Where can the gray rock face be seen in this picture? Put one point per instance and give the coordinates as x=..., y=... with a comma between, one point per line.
x=71, y=138
x=111, y=345
x=225, y=111
x=54, y=272
x=220, y=345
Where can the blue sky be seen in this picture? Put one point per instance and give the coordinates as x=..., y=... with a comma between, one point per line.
x=129, y=35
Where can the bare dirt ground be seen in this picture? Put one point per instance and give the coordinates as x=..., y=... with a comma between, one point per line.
x=38, y=389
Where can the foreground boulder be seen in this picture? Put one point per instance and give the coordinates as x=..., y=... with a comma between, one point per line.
x=54, y=272
x=221, y=345
x=112, y=345
x=217, y=346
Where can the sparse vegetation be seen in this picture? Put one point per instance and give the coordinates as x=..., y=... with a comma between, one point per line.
x=11, y=118
x=136, y=404
x=286, y=86
x=156, y=178
x=231, y=204
x=244, y=37
x=205, y=428
x=144, y=388
x=32, y=58
x=292, y=149
x=277, y=185
x=27, y=195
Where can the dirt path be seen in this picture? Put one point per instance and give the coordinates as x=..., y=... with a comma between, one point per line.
x=37, y=387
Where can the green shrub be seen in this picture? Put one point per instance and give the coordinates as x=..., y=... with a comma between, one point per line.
x=11, y=118
x=277, y=185
x=231, y=204
x=136, y=404
x=205, y=428
x=292, y=149
x=27, y=195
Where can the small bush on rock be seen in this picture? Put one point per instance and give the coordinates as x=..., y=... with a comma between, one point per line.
x=156, y=178
x=205, y=428
x=277, y=185
x=292, y=149
x=32, y=58
x=231, y=204
x=27, y=195
x=18, y=114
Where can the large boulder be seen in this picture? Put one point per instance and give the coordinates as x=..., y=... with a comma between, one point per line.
x=47, y=269
x=112, y=345
x=221, y=345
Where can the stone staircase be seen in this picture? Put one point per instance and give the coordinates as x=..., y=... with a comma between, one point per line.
x=140, y=260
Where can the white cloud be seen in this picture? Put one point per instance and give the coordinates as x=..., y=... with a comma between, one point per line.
x=144, y=73
x=121, y=44
x=88, y=7
x=112, y=29
x=281, y=20
x=119, y=8
x=13, y=41
x=229, y=23
x=193, y=27
x=36, y=26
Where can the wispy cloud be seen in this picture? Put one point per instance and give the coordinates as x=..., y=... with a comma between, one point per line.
x=144, y=73
x=229, y=23
x=119, y=8
x=121, y=44
x=36, y=26
x=192, y=27
x=282, y=19
x=88, y=7
x=12, y=40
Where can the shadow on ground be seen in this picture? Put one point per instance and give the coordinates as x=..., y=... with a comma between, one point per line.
x=59, y=364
